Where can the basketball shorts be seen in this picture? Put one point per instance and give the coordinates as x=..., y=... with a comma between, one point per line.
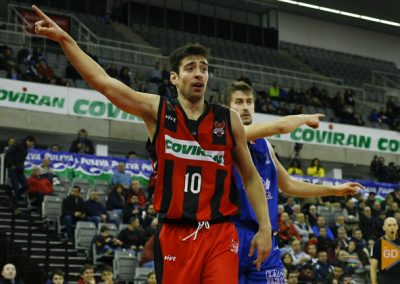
x=208, y=257
x=272, y=270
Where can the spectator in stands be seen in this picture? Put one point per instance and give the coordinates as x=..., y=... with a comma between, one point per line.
x=316, y=169
x=131, y=155
x=132, y=237
x=369, y=225
x=12, y=73
x=9, y=275
x=288, y=207
x=324, y=242
x=299, y=257
x=312, y=251
x=339, y=222
x=136, y=189
x=143, y=88
x=322, y=268
x=287, y=232
x=71, y=73
x=351, y=216
x=72, y=211
x=46, y=171
x=321, y=223
x=165, y=89
x=112, y=71
x=120, y=176
x=116, y=201
x=353, y=257
x=10, y=141
x=151, y=278
x=132, y=209
x=56, y=277
x=146, y=219
x=274, y=91
x=45, y=72
x=302, y=228
x=357, y=237
x=87, y=275
x=155, y=74
x=147, y=255
x=125, y=76
x=295, y=168
x=94, y=210
x=39, y=186
x=292, y=277
x=150, y=230
x=55, y=148
x=106, y=243
x=14, y=161
x=392, y=210
x=107, y=275
x=312, y=215
x=287, y=260
x=82, y=144
x=374, y=116
x=342, y=238
x=307, y=274
x=337, y=274
x=24, y=54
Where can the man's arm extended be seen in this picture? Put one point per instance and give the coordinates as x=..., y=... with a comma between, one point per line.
x=303, y=189
x=373, y=270
x=140, y=104
x=254, y=189
x=283, y=125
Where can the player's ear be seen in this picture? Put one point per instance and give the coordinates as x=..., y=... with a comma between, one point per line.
x=173, y=77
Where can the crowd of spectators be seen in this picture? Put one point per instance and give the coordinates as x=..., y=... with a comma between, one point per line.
x=389, y=116
x=319, y=246
x=384, y=173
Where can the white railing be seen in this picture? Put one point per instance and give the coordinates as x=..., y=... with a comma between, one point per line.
x=386, y=79
x=3, y=170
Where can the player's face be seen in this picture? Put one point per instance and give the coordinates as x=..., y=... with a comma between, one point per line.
x=243, y=104
x=191, y=82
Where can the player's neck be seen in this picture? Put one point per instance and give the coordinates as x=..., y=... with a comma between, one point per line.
x=194, y=109
x=390, y=238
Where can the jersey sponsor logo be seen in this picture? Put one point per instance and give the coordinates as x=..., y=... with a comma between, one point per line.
x=267, y=185
x=234, y=246
x=219, y=128
x=191, y=150
x=390, y=254
x=170, y=258
x=170, y=117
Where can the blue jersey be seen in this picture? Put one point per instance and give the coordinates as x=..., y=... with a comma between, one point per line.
x=262, y=159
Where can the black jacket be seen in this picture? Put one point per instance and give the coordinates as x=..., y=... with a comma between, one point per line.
x=16, y=155
x=70, y=206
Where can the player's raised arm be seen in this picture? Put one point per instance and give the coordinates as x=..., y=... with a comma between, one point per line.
x=254, y=189
x=282, y=125
x=297, y=188
x=140, y=104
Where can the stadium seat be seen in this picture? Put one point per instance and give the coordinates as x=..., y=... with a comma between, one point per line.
x=125, y=265
x=51, y=209
x=141, y=273
x=84, y=233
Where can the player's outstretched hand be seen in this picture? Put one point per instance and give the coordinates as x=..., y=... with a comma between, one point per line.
x=313, y=120
x=348, y=188
x=47, y=27
x=261, y=241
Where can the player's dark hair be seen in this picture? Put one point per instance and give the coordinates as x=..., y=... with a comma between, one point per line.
x=189, y=49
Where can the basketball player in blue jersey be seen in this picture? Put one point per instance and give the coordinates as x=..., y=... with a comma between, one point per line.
x=239, y=97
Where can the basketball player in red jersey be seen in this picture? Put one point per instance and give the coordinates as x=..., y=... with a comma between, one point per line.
x=194, y=146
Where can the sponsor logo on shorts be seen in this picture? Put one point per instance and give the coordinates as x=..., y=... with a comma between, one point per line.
x=170, y=258
x=234, y=246
x=191, y=150
x=275, y=276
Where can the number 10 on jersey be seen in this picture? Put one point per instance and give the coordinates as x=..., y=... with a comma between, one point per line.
x=192, y=183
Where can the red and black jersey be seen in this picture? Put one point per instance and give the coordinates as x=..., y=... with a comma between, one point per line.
x=193, y=164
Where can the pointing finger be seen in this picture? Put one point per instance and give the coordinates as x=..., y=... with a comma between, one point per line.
x=40, y=13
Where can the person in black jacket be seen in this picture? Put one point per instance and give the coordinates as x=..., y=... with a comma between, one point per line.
x=14, y=160
x=72, y=210
x=82, y=144
x=132, y=237
x=116, y=201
